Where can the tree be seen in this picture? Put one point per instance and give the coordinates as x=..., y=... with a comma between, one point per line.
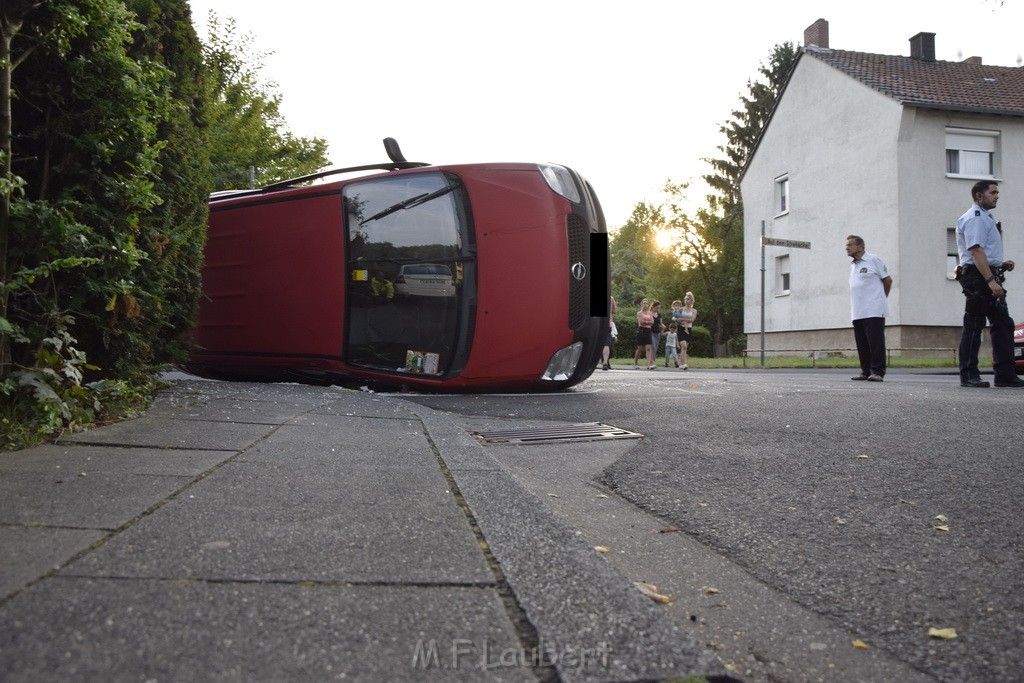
x=712, y=244
x=85, y=119
x=247, y=130
x=706, y=253
x=714, y=238
x=106, y=190
x=173, y=233
x=12, y=19
x=633, y=254
x=115, y=178
x=743, y=130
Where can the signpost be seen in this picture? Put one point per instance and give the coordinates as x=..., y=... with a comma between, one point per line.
x=773, y=242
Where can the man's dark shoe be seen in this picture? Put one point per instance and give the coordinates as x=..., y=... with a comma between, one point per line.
x=976, y=383
x=859, y=378
x=1013, y=382
x=875, y=378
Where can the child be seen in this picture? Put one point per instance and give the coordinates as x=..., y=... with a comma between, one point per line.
x=671, y=346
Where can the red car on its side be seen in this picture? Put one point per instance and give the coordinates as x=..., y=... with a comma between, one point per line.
x=300, y=279
x=1018, y=348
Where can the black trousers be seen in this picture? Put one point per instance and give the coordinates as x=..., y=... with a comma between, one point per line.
x=980, y=306
x=869, y=334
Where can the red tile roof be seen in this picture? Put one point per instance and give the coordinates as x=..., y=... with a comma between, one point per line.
x=959, y=86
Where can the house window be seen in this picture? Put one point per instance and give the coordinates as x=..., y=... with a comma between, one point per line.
x=782, y=275
x=952, y=255
x=971, y=153
x=781, y=195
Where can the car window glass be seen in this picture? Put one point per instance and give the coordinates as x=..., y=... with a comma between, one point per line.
x=429, y=230
x=404, y=304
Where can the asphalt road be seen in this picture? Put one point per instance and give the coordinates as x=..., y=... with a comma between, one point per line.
x=805, y=526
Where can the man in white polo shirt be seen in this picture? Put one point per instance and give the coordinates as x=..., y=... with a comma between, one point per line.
x=869, y=302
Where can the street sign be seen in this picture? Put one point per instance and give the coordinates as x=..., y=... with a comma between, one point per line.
x=774, y=242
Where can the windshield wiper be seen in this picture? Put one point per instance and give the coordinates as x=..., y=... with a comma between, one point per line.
x=409, y=203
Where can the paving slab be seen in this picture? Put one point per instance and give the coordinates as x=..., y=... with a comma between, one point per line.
x=158, y=432
x=135, y=630
x=309, y=503
x=32, y=552
x=338, y=443
x=254, y=391
x=96, y=501
x=230, y=409
x=271, y=404
x=74, y=460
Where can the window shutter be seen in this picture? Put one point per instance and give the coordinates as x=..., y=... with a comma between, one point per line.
x=973, y=143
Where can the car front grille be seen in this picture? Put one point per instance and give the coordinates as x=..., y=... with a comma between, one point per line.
x=579, y=300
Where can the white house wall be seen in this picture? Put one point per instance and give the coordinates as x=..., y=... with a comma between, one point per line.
x=860, y=163
x=836, y=140
x=930, y=202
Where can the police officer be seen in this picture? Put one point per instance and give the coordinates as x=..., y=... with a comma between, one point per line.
x=979, y=240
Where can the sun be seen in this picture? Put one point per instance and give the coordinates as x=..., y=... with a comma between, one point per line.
x=663, y=240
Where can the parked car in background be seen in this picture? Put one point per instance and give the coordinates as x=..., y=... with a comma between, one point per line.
x=425, y=279
x=500, y=275
x=1018, y=348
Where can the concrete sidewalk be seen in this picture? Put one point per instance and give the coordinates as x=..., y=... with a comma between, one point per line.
x=257, y=532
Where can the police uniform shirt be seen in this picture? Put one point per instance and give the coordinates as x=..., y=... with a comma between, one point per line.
x=867, y=293
x=977, y=227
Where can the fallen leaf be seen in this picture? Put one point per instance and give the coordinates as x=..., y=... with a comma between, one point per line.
x=941, y=518
x=652, y=592
x=553, y=495
x=942, y=633
x=601, y=548
x=863, y=456
x=710, y=591
x=941, y=527
x=860, y=645
x=601, y=495
x=667, y=530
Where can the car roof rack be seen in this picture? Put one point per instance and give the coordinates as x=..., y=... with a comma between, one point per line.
x=398, y=162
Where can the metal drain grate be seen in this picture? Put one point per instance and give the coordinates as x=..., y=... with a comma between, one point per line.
x=586, y=431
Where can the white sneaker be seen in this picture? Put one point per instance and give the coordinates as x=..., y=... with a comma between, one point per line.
x=685, y=366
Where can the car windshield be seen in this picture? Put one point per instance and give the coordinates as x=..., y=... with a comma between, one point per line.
x=406, y=225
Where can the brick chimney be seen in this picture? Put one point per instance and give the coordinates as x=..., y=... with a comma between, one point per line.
x=922, y=46
x=973, y=60
x=816, y=34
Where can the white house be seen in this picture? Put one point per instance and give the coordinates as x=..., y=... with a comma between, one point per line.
x=885, y=147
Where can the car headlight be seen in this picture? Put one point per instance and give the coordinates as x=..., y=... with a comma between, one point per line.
x=560, y=180
x=563, y=363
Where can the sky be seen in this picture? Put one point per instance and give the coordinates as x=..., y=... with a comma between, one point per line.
x=631, y=95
